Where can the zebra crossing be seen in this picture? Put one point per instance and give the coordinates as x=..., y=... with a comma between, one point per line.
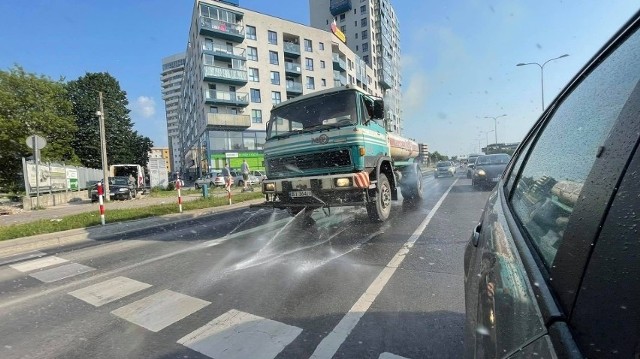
x=51, y=268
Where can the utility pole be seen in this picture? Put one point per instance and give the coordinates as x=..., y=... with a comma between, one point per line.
x=103, y=147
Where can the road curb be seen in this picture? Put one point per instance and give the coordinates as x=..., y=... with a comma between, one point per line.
x=86, y=235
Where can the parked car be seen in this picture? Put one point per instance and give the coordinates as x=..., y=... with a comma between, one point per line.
x=551, y=269
x=444, y=168
x=209, y=180
x=237, y=178
x=120, y=188
x=261, y=176
x=488, y=169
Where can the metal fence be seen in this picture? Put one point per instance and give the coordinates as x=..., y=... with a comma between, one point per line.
x=57, y=177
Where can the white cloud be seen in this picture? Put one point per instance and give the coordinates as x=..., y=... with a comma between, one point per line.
x=145, y=106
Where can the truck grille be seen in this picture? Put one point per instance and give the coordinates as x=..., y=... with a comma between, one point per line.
x=297, y=163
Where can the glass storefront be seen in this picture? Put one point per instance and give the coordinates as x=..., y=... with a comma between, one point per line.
x=234, y=146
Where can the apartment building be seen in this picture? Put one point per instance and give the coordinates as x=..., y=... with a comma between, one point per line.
x=371, y=29
x=239, y=63
x=171, y=79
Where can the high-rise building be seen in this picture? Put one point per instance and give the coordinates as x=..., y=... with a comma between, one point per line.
x=371, y=29
x=171, y=77
x=239, y=63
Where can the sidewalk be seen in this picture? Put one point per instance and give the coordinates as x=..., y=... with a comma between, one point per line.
x=84, y=206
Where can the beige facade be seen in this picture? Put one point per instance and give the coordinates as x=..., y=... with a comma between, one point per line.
x=239, y=63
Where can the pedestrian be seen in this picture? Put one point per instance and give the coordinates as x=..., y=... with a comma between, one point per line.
x=226, y=174
x=245, y=174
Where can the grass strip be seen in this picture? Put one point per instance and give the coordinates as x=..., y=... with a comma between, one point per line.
x=89, y=219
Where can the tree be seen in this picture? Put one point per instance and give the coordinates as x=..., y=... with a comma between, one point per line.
x=123, y=143
x=141, y=145
x=32, y=104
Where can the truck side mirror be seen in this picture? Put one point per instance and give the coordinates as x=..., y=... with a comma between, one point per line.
x=378, y=109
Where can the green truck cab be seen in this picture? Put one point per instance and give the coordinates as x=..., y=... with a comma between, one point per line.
x=330, y=148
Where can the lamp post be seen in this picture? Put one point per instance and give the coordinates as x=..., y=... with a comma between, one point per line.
x=103, y=149
x=541, y=73
x=495, y=126
x=487, y=135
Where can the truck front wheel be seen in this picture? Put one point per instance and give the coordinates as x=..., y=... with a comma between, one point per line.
x=380, y=208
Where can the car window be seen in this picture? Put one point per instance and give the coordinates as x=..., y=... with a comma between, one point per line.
x=560, y=161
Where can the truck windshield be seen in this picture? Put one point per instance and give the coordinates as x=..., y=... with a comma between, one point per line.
x=332, y=110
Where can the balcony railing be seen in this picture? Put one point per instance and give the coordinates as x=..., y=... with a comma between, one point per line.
x=224, y=74
x=225, y=51
x=221, y=29
x=227, y=97
x=294, y=87
x=338, y=63
x=226, y=121
x=292, y=49
x=339, y=6
x=339, y=81
x=292, y=68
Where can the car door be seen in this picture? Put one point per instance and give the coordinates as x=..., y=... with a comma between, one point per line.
x=525, y=263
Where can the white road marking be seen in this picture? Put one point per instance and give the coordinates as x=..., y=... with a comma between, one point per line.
x=332, y=342
x=108, y=291
x=390, y=356
x=239, y=335
x=38, y=264
x=62, y=272
x=160, y=310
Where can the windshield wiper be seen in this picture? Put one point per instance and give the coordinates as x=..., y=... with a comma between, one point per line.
x=285, y=135
x=325, y=127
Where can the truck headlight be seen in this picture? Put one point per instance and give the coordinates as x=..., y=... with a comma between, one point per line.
x=343, y=182
x=269, y=187
x=122, y=190
x=481, y=173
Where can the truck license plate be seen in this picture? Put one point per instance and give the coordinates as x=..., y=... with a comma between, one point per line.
x=297, y=194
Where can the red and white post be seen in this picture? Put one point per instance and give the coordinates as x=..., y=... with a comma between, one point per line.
x=101, y=202
x=178, y=186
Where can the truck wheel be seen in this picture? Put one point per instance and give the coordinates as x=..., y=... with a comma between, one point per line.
x=380, y=209
x=413, y=192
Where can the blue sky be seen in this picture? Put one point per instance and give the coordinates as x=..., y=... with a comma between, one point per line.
x=458, y=57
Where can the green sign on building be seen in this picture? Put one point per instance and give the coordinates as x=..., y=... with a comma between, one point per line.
x=255, y=160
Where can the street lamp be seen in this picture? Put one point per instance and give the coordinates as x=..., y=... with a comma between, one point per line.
x=495, y=126
x=542, y=73
x=487, y=135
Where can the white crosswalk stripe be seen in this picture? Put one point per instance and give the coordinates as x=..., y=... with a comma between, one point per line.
x=108, y=291
x=239, y=335
x=160, y=310
x=38, y=264
x=62, y=272
x=390, y=356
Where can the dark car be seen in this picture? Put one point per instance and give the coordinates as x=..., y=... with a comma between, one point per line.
x=552, y=268
x=488, y=169
x=444, y=168
x=120, y=188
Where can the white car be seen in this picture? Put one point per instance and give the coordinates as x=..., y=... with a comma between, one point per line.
x=237, y=178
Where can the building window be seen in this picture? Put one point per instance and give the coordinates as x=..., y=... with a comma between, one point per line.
x=311, y=83
x=273, y=58
x=343, y=28
x=276, y=98
x=324, y=82
x=321, y=45
x=213, y=109
x=273, y=37
x=342, y=17
x=357, y=47
x=308, y=45
x=254, y=75
x=309, y=64
x=322, y=64
x=363, y=22
x=251, y=33
x=365, y=35
x=275, y=77
x=363, y=9
x=255, y=95
x=356, y=35
x=355, y=23
x=365, y=46
x=256, y=116
x=365, y=58
x=252, y=53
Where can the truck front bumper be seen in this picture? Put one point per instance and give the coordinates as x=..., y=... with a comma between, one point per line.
x=348, y=189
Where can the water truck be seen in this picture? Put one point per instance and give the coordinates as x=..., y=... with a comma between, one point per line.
x=331, y=149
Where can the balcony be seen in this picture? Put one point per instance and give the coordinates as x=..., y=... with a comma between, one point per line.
x=227, y=121
x=221, y=29
x=291, y=68
x=217, y=97
x=225, y=75
x=224, y=52
x=338, y=63
x=339, y=81
x=386, y=81
x=291, y=49
x=294, y=87
x=338, y=7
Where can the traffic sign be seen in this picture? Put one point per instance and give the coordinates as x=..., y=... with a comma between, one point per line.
x=36, y=141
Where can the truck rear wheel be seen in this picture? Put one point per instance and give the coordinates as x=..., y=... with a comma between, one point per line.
x=380, y=208
x=412, y=192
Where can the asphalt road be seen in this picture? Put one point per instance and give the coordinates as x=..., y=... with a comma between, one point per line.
x=253, y=284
